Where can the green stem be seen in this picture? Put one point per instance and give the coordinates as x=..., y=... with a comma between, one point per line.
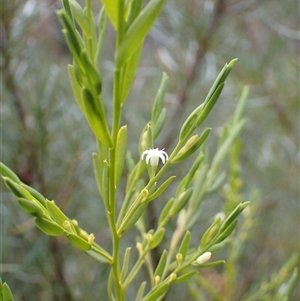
x=112, y=155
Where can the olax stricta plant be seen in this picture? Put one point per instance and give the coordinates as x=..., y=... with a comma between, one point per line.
x=146, y=181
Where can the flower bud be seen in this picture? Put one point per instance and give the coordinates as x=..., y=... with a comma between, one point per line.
x=203, y=258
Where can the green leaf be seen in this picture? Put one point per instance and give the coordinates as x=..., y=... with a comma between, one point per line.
x=131, y=220
x=57, y=215
x=125, y=264
x=91, y=72
x=185, y=244
x=49, y=227
x=7, y=172
x=209, y=105
x=96, y=118
x=137, y=31
x=158, y=125
x=290, y=285
x=157, y=238
x=161, y=188
x=39, y=197
x=111, y=9
x=17, y=189
x=140, y=292
x=190, y=124
x=159, y=291
x=105, y=183
x=163, y=218
x=233, y=215
x=72, y=36
x=128, y=73
x=227, y=144
x=181, y=201
x=220, y=79
x=30, y=207
x=226, y=232
x=120, y=153
x=193, y=144
x=210, y=233
x=6, y=293
x=161, y=266
x=241, y=105
x=188, y=178
x=135, y=8
x=76, y=88
x=97, y=256
x=80, y=17
x=158, y=103
x=184, y=277
x=79, y=242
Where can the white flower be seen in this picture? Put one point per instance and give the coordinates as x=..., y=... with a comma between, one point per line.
x=153, y=155
x=203, y=258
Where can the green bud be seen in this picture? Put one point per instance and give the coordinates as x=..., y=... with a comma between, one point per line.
x=191, y=146
x=208, y=265
x=48, y=226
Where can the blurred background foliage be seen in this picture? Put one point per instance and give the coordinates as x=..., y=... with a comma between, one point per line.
x=45, y=139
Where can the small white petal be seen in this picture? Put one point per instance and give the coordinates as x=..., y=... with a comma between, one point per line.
x=153, y=155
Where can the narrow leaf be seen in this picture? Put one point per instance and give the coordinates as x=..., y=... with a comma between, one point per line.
x=160, y=269
x=140, y=292
x=157, y=238
x=120, y=153
x=185, y=244
x=161, y=188
x=138, y=30
x=7, y=172
x=125, y=264
x=111, y=9
x=49, y=227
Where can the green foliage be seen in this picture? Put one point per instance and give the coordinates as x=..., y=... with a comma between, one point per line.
x=127, y=204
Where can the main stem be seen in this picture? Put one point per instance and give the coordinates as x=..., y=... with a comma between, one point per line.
x=112, y=153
